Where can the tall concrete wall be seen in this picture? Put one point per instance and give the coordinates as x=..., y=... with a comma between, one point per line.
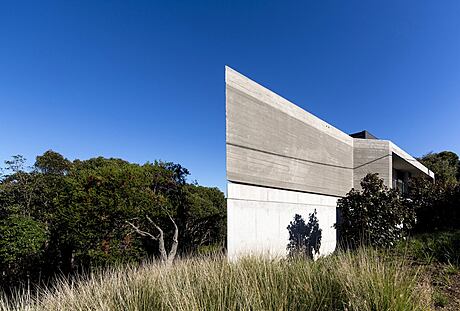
x=281, y=161
x=271, y=142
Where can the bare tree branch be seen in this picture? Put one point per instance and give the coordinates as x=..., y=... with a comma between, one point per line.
x=161, y=241
x=142, y=233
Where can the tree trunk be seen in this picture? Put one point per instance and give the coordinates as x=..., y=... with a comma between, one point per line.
x=175, y=244
x=164, y=256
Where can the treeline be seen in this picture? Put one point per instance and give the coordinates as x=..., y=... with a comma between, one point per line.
x=62, y=216
x=437, y=204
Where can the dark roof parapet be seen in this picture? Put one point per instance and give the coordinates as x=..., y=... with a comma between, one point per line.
x=363, y=135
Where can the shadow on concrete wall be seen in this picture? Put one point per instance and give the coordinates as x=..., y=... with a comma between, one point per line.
x=304, y=238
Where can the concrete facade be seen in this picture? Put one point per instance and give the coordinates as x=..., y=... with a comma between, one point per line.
x=282, y=161
x=271, y=142
x=258, y=217
x=371, y=156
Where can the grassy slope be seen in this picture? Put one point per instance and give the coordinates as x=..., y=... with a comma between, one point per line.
x=439, y=255
x=365, y=280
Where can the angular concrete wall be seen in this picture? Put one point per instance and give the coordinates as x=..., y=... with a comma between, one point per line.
x=271, y=142
x=282, y=161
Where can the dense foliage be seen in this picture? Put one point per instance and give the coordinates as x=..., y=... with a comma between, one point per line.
x=68, y=216
x=437, y=205
x=445, y=165
x=375, y=215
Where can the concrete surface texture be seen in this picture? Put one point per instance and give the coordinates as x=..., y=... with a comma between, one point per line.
x=282, y=161
x=271, y=142
x=371, y=156
x=258, y=218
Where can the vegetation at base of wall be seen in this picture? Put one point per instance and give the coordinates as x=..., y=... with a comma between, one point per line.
x=72, y=217
x=362, y=280
x=376, y=215
x=437, y=206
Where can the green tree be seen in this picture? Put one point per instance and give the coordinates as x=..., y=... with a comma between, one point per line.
x=22, y=242
x=437, y=205
x=204, y=218
x=27, y=208
x=91, y=216
x=75, y=214
x=445, y=166
x=376, y=215
x=52, y=163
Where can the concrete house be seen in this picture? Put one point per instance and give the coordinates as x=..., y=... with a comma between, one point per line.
x=282, y=161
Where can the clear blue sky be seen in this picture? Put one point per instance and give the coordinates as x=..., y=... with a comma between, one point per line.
x=144, y=80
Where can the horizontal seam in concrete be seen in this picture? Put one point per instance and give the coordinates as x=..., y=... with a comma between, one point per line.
x=313, y=162
x=283, y=202
x=367, y=163
x=279, y=188
x=288, y=157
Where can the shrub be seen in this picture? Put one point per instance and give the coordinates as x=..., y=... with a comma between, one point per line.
x=437, y=205
x=376, y=215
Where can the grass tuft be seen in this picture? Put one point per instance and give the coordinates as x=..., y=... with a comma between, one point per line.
x=362, y=280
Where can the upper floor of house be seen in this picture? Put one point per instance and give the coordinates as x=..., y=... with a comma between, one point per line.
x=274, y=143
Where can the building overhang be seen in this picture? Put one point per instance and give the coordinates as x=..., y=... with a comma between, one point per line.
x=404, y=161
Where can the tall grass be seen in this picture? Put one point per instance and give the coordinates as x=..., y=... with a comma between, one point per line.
x=439, y=247
x=363, y=280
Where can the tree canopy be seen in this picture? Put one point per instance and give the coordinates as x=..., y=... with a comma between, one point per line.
x=437, y=205
x=445, y=165
x=66, y=216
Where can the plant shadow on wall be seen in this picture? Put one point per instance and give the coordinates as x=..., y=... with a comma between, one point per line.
x=304, y=238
